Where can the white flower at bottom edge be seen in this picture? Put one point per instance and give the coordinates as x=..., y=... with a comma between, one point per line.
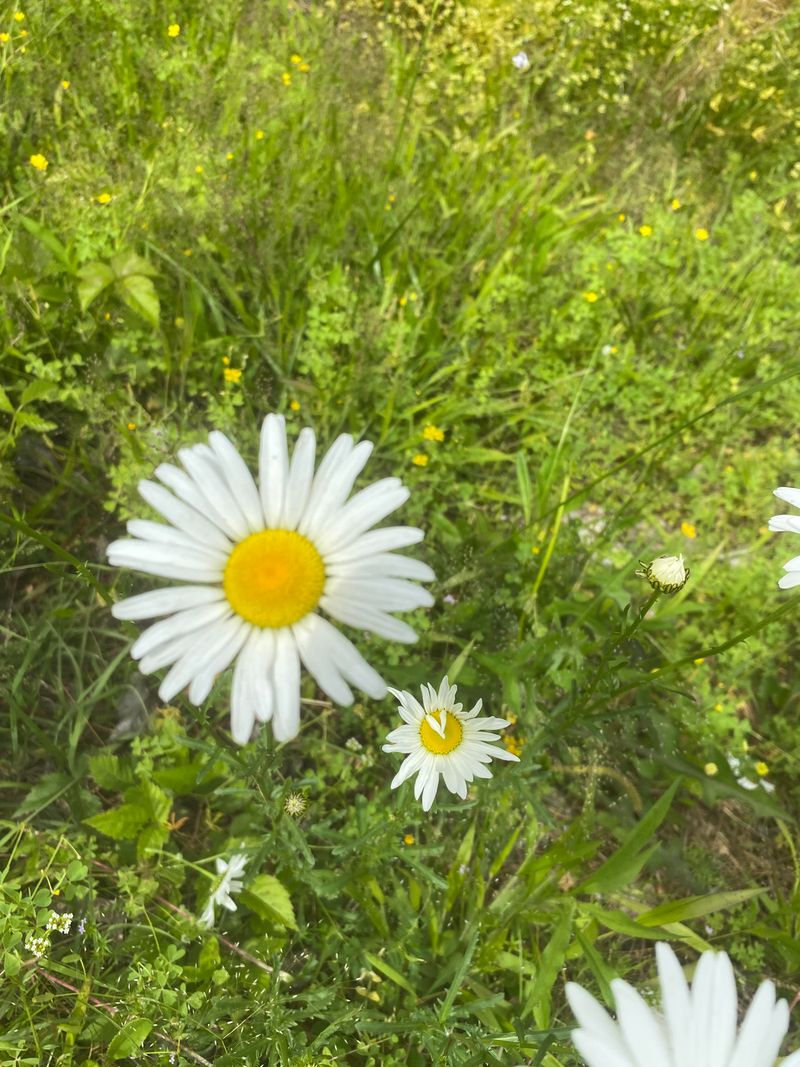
x=442, y=740
x=230, y=882
x=788, y=524
x=697, y=1027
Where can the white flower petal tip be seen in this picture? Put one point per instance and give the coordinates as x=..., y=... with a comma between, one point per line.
x=788, y=524
x=263, y=558
x=692, y=1025
x=440, y=740
x=228, y=882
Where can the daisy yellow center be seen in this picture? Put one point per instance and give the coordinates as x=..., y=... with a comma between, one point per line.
x=274, y=578
x=441, y=744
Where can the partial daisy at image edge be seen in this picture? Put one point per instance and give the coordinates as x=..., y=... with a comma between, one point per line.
x=257, y=562
x=442, y=741
x=694, y=1026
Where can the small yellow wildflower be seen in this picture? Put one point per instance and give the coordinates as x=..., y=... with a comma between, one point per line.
x=107, y=316
x=226, y=360
x=408, y=839
x=621, y=217
x=233, y=374
x=753, y=175
x=38, y=162
x=701, y=233
x=131, y=426
x=420, y=459
x=104, y=198
x=676, y=204
x=688, y=530
x=433, y=433
x=711, y=769
x=259, y=135
x=304, y=68
x=229, y=156
x=198, y=169
x=762, y=768
x=65, y=84
x=535, y=550
x=173, y=29
x=187, y=252
x=591, y=297
x=23, y=33
x=295, y=59
x=718, y=707
x=700, y=659
x=391, y=198
x=646, y=231
x=179, y=322
x=286, y=78
x=5, y=37
x=403, y=299
x=412, y=296
x=19, y=16
x=294, y=405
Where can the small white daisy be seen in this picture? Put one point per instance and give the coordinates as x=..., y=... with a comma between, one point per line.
x=260, y=562
x=735, y=765
x=441, y=739
x=788, y=524
x=230, y=882
x=696, y=1026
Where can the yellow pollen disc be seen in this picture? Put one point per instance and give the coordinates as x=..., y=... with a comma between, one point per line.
x=274, y=578
x=434, y=742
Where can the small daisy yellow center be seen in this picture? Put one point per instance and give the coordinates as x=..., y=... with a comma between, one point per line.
x=274, y=578
x=437, y=743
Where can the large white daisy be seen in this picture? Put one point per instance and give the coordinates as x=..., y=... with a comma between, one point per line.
x=695, y=1028
x=259, y=562
x=442, y=740
x=790, y=524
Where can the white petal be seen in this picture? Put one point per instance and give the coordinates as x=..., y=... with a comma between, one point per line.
x=722, y=1017
x=792, y=1061
x=383, y=540
x=318, y=661
x=190, y=493
x=383, y=565
x=429, y=792
x=784, y=523
x=273, y=468
x=599, y=1054
x=368, y=619
x=640, y=1028
x=203, y=466
x=264, y=694
x=363, y=510
x=182, y=515
x=196, y=659
x=203, y=682
x=410, y=765
x=789, y=581
x=131, y=553
x=789, y=494
x=182, y=622
x=762, y=1031
x=242, y=692
x=286, y=676
x=349, y=661
x=591, y=1016
x=172, y=650
x=162, y=534
x=675, y=1002
x=332, y=486
x=301, y=474
x=239, y=479
x=387, y=594
x=165, y=601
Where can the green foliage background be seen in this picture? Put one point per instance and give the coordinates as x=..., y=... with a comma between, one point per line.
x=366, y=209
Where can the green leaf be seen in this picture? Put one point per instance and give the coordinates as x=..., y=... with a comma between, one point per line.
x=694, y=907
x=552, y=960
x=35, y=391
x=152, y=799
x=390, y=972
x=127, y=263
x=140, y=295
x=110, y=772
x=267, y=897
x=44, y=793
x=34, y=422
x=129, y=1039
x=624, y=865
x=93, y=279
x=5, y=403
x=48, y=239
x=12, y=964
x=122, y=823
x=524, y=482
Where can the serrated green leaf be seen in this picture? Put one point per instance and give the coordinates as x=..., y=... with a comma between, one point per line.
x=93, y=279
x=695, y=907
x=34, y=422
x=127, y=263
x=122, y=823
x=110, y=772
x=35, y=391
x=131, y=1037
x=270, y=899
x=151, y=799
x=622, y=868
x=43, y=793
x=140, y=295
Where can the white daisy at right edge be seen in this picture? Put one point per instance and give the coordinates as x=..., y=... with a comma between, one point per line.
x=440, y=739
x=788, y=524
x=694, y=1026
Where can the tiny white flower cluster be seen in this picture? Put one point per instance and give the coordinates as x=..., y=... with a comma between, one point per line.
x=60, y=921
x=39, y=946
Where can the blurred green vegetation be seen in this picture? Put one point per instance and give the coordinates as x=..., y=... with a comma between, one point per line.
x=585, y=273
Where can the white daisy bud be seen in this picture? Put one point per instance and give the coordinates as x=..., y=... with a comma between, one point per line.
x=666, y=574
